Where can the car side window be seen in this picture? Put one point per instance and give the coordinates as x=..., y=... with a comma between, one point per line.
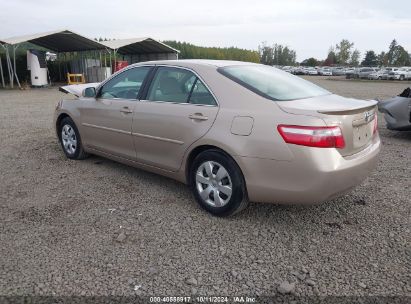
x=125, y=85
x=180, y=86
x=171, y=85
x=201, y=95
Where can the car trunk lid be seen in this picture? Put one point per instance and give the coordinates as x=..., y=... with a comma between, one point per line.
x=356, y=118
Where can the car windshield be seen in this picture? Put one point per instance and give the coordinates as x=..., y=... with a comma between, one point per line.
x=272, y=83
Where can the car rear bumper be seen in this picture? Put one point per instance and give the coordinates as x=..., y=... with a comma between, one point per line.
x=314, y=175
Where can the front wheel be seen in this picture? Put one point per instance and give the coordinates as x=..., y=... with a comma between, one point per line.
x=218, y=184
x=70, y=139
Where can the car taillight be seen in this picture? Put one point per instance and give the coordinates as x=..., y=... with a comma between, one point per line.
x=375, y=124
x=320, y=137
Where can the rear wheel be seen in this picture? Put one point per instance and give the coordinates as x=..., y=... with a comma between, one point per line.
x=402, y=77
x=218, y=184
x=70, y=139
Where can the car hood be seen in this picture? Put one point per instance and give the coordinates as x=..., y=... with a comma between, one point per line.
x=77, y=89
x=325, y=104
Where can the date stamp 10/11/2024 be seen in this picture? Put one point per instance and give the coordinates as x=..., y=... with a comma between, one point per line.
x=203, y=299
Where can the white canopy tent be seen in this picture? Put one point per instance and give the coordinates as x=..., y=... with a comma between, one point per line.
x=66, y=41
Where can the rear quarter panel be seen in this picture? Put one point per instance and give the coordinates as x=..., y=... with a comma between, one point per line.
x=234, y=100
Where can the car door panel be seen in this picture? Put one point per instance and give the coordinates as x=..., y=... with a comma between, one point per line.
x=178, y=111
x=107, y=126
x=163, y=131
x=106, y=120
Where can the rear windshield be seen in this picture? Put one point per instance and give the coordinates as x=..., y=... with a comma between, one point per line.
x=272, y=83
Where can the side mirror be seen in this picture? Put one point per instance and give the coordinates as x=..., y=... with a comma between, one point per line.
x=89, y=92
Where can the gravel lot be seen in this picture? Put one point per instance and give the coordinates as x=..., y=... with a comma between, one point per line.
x=96, y=227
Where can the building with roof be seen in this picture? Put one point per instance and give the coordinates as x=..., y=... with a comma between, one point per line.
x=79, y=53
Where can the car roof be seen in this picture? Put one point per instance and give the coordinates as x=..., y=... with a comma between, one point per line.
x=197, y=62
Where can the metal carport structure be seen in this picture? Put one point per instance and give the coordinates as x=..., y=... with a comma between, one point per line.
x=1, y=68
x=141, y=49
x=60, y=41
x=67, y=41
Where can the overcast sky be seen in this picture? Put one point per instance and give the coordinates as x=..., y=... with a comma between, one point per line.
x=308, y=26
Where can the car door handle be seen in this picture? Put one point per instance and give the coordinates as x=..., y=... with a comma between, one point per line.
x=126, y=110
x=197, y=116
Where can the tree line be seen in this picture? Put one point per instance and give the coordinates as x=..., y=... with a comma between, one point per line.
x=345, y=54
x=191, y=51
x=276, y=54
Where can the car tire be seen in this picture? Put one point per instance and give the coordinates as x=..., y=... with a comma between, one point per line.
x=212, y=171
x=402, y=77
x=70, y=139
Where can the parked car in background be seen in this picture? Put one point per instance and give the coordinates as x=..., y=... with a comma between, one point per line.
x=351, y=73
x=287, y=69
x=325, y=72
x=360, y=72
x=311, y=71
x=364, y=72
x=380, y=75
x=298, y=71
x=233, y=131
x=384, y=75
x=391, y=69
x=391, y=73
x=403, y=73
x=338, y=71
x=293, y=69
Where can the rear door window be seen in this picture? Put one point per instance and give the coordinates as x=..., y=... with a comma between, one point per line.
x=171, y=85
x=201, y=95
x=178, y=86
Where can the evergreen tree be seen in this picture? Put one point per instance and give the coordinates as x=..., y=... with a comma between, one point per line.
x=397, y=55
x=370, y=59
x=331, y=57
x=391, y=52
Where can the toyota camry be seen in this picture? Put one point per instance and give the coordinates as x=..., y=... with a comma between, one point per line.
x=234, y=132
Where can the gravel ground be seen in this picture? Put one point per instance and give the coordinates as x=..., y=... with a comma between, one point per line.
x=96, y=227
